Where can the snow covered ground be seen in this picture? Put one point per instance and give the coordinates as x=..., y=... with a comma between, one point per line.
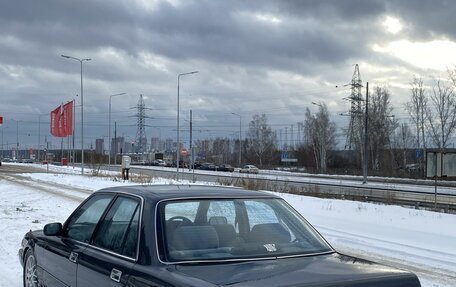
x=421, y=241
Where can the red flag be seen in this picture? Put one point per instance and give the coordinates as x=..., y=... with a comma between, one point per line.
x=55, y=119
x=1, y=120
x=67, y=118
x=62, y=120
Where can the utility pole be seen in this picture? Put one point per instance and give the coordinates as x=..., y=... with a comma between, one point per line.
x=298, y=140
x=355, y=125
x=17, y=139
x=191, y=141
x=280, y=136
x=286, y=138
x=292, y=138
x=366, y=136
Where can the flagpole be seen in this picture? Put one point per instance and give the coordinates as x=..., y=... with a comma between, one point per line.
x=74, y=122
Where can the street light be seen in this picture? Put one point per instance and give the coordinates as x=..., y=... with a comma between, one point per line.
x=178, y=143
x=39, y=134
x=17, y=138
x=240, y=139
x=2, y=140
x=82, y=111
x=110, y=145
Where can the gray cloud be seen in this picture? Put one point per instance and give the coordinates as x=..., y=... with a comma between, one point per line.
x=246, y=64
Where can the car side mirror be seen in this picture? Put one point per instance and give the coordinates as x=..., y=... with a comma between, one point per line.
x=52, y=229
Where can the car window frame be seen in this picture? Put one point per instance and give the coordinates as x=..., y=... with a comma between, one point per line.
x=159, y=223
x=91, y=242
x=141, y=209
x=67, y=221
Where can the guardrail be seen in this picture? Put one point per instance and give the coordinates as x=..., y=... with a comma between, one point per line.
x=388, y=193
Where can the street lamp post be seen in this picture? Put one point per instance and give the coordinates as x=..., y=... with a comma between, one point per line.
x=2, y=140
x=82, y=111
x=366, y=135
x=17, y=138
x=109, y=144
x=240, y=137
x=178, y=143
x=39, y=135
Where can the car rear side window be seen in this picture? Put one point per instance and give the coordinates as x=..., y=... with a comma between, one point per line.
x=118, y=232
x=83, y=222
x=260, y=213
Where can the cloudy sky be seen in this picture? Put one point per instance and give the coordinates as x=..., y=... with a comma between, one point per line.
x=253, y=57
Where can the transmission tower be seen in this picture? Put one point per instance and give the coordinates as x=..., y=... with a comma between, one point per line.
x=355, y=127
x=140, y=140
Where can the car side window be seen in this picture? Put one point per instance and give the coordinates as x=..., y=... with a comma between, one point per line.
x=83, y=222
x=118, y=232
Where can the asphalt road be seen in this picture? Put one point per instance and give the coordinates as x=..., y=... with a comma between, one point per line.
x=320, y=186
x=403, y=193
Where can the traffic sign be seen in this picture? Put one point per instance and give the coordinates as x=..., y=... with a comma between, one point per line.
x=183, y=152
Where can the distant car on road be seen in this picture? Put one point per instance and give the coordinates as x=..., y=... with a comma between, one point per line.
x=208, y=166
x=191, y=236
x=225, y=167
x=249, y=169
x=159, y=162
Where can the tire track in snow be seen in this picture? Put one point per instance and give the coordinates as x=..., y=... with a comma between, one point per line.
x=61, y=190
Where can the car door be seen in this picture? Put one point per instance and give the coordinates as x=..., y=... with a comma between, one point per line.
x=108, y=259
x=57, y=256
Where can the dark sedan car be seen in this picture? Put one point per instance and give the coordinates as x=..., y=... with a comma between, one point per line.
x=191, y=236
x=225, y=167
x=208, y=166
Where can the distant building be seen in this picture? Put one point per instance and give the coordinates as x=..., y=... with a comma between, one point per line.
x=117, y=145
x=170, y=145
x=129, y=147
x=155, y=144
x=99, y=146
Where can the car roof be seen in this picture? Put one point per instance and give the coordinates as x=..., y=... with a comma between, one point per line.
x=175, y=191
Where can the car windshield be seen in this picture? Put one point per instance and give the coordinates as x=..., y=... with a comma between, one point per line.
x=233, y=229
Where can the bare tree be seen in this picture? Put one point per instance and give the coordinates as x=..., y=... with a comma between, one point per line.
x=402, y=141
x=381, y=125
x=321, y=135
x=417, y=107
x=261, y=140
x=221, y=150
x=442, y=114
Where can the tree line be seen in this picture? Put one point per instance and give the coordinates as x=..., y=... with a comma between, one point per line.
x=394, y=148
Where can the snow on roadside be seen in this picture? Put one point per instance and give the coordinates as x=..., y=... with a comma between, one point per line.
x=421, y=241
x=22, y=209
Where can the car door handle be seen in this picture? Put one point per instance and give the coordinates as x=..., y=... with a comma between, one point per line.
x=73, y=257
x=115, y=275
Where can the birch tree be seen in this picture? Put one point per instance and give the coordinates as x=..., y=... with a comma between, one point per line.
x=417, y=108
x=320, y=134
x=261, y=140
x=402, y=141
x=381, y=125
